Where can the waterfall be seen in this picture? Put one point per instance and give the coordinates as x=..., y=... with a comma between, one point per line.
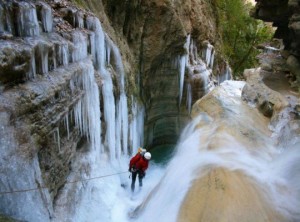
x=261, y=178
x=280, y=189
x=225, y=74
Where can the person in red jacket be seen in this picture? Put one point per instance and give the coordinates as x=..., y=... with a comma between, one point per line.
x=137, y=166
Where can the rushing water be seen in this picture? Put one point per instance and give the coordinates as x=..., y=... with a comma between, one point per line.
x=109, y=199
x=205, y=145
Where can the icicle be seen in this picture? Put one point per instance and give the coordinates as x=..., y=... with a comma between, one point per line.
x=32, y=70
x=109, y=112
x=118, y=129
x=208, y=54
x=57, y=138
x=182, y=64
x=115, y=114
x=133, y=126
x=27, y=23
x=41, y=57
x=124, y=118
x=87, y=110
x=94, y=25
x=123, y=99
x=66, y=120
x=79, y=19
x=91, y=46
x=6, y=21
x=211, y=65
x=62, y=53
x=123, y=109
x=189, y=97
x=79, y=51
x=78, y=117
x=46, y=17
x=136, y=126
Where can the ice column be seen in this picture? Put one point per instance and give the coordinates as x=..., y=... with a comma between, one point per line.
x=97, y=42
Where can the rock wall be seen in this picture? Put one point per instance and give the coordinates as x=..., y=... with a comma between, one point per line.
x=63, y=95
x=285, y=17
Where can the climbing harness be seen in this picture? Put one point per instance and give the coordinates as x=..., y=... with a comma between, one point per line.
x=71, y=182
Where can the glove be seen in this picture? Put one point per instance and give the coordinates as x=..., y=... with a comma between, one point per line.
x=129, y=170
x=143, y=174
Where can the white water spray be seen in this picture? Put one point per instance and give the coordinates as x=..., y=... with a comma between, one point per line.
x=205, y=145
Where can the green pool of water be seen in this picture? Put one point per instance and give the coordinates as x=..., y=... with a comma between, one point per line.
x=162, y=154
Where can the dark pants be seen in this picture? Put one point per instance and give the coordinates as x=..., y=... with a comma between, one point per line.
x=134, y=174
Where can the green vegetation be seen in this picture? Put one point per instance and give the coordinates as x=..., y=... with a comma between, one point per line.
x=241, y=34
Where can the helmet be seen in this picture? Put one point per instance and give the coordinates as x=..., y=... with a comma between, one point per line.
x=147, y=155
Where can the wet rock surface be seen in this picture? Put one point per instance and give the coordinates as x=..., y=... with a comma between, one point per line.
x=271, y=90
x=233, y=191
x=48, y=68
x=285, y=15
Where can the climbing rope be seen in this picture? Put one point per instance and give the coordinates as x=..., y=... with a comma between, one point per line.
x=70, y=182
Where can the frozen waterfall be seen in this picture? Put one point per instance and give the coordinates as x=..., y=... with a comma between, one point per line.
x=194, y=69
x=82, y=68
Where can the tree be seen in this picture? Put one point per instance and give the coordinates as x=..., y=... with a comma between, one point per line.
x=240, y=34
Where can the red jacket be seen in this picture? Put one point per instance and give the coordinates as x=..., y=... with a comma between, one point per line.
x=139, y=162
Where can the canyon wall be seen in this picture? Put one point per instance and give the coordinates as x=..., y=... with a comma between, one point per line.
x=166, y=41
x=64, y=99
x=79, y=79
